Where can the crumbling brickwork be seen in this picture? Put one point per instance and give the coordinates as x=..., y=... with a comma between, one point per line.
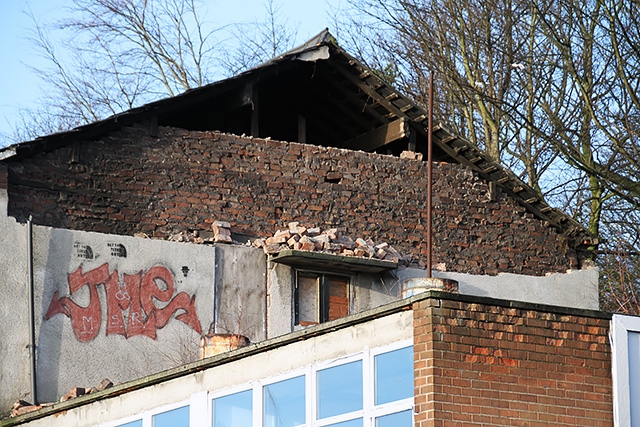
x=130, y=182
x=482, y=363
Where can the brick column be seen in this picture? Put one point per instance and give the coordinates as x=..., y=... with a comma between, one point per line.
x=481, y=363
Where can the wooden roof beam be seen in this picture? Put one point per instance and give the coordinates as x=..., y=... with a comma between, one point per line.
x=379, y=137
x=366, y=88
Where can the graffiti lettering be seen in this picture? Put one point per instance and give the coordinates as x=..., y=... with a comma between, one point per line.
x=131, y=309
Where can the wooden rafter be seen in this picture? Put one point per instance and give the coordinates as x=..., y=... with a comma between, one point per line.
x=379, y=137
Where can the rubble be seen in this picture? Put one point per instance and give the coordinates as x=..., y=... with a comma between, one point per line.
x=301, y=238
x=22, y=407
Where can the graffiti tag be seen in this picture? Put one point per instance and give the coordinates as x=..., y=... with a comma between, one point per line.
x=136, y=293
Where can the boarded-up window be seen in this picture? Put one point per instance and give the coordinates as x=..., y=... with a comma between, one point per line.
x=320, y=297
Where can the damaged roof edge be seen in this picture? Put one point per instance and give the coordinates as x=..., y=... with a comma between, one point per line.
x=324, y=46
x=317, y=48
x=479, y=161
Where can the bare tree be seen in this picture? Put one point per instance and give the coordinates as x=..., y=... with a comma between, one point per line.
x=549, y=88
x=111, y=55
x=257, y=42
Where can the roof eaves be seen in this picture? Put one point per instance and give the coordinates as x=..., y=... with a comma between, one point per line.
x=314, y=49
x=465, y=152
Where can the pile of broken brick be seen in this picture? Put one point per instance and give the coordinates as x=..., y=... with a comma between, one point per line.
x=300, y=238
x=297, y=237
x=22, y=407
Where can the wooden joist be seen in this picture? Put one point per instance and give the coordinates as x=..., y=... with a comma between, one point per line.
x=379, y=137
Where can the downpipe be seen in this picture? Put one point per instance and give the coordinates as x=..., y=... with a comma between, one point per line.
x=32, y=328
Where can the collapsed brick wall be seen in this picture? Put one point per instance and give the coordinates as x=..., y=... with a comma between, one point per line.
x=482, y=364
x=131, y=182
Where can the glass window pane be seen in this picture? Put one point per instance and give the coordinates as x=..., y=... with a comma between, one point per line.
x=399, y=419
x=136, y=423
x=284, y=403
x=308, y=300
x=340, y=389
x=394, y=375
x=351, y=423
x=338, y=296
x=234, y=410
x=175, y=418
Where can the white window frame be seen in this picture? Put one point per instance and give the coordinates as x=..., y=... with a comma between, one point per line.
x=395, y=406
x=621, y=325
x=233, y=390
x=201, y=403
x=196, y=403
x=314, y=388
x=258, y=389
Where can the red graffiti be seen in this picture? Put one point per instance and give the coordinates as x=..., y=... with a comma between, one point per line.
x=136, y=294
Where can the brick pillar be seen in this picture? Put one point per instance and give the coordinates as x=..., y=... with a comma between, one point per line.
x=480, y=363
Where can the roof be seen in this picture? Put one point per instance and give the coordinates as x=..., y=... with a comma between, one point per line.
x=343, y=104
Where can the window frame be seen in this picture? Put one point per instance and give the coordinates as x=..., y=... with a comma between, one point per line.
x=196, y=403
x=201, y=403
x=620, y=327
x=313, y=418
x=323, y=293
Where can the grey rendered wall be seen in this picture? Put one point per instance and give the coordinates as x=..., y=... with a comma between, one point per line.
x=241, y=291
x=90, y=332
x=116, y=307
x=14, y=311
x=575, y=288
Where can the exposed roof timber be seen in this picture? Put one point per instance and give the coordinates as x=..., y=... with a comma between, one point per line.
x=344, y=111
x=364, y=106
x=388, y=106
x=366, y=88
x=460, y=149
x=241, y=97
x=379, y=137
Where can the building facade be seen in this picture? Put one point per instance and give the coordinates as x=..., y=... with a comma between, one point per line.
x=436, y=359
x=128, y=240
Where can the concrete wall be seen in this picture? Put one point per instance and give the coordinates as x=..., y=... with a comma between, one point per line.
x=189, y=388
x=14, y=311
x=241, y=297
x=116, y=307
x=575, y=288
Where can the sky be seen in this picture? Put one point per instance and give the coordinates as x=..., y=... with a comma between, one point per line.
x=20, y=87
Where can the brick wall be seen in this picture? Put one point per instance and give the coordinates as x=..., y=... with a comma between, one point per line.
x=131, y=182
x=483, y=364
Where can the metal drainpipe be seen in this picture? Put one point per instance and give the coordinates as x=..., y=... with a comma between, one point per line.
x=32, y=329
x=429, y=175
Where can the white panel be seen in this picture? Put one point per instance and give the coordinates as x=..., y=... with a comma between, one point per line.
x=625, y=349
x=634, y=377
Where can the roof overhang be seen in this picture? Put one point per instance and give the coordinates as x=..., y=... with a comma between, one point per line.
x=331, y=262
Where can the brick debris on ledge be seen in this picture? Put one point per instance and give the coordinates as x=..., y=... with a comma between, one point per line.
x=22, y=407
x=314, y=239
x=297, y=237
